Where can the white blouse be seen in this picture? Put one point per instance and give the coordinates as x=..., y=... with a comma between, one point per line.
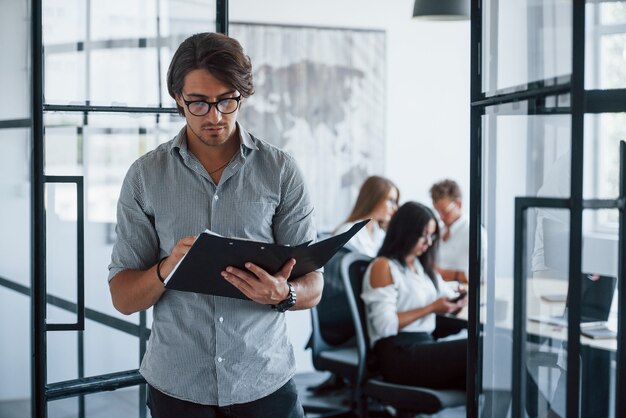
x=410, y=290
x=364, y=242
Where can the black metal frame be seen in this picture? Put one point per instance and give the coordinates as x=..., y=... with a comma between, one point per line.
x=41, y=391
x=221, y=16
x=474, y=348
x=38, y=261
x=620, y=384
x=15, y=123
x=581, y=102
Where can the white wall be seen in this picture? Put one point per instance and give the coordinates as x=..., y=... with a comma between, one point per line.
x=428, y=70
x=427, y=113
x=427, y=104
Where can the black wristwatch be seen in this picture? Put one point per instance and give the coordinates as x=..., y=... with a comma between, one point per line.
x=287, y=303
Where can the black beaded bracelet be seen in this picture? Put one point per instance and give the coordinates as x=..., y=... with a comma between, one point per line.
x=158, y=269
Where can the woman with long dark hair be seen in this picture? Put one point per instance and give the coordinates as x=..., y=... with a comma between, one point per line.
x=403, y=293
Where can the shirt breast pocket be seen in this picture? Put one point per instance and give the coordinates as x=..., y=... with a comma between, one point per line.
x=253, y=220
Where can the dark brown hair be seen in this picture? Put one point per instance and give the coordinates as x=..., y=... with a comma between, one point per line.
x=406, y=227
x=219, y=54
x=373, y=191
x=445, y=189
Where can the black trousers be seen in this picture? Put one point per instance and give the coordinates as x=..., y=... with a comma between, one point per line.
x=283, y=403
x=417, y=359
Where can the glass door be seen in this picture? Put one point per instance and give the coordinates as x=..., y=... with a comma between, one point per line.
x=98, y=101
x=547, y=186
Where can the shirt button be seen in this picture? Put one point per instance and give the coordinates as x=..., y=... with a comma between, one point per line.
x=220, y=359
x=221, y=319
x=216, y=197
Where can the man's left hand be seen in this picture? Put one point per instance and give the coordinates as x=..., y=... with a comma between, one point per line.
x=258, y=284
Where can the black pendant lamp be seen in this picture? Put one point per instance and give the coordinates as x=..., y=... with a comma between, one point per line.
x=441, y=9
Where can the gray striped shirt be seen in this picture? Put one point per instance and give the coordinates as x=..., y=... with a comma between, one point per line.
x=209, y=349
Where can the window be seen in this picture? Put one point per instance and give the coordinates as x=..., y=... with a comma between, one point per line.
x=605, y=69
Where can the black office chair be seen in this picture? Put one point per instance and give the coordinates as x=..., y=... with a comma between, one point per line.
x=333, y=312
x=406, y=400
x=332, y=335
x=341, y=360
x=332, y=344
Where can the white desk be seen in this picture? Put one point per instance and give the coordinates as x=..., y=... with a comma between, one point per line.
x=501, y=310
x=497, y=320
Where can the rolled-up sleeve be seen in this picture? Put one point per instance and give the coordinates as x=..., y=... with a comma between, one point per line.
x=293, y=222
x=137, y=244
x=382, y=312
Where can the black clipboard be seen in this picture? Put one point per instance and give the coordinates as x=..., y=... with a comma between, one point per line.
x=200, y=270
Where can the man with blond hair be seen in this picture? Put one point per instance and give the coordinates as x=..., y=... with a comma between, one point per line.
x=453, y=259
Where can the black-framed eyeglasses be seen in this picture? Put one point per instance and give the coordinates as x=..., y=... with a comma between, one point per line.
x=448, y=209
x=431, y=237
x=202, y=107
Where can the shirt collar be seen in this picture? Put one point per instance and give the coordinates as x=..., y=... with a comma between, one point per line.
x=246, y=140
x=458, y=224
x=180, y=141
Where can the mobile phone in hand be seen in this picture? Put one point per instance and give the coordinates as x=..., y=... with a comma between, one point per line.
x=457, y=298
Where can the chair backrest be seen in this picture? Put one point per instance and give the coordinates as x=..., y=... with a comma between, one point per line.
x=331, y=320
x=353, y=268
x=405, y=399
x=334, y=315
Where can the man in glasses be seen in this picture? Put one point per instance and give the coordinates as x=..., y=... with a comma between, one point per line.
x=453, y=257
x=211, y=356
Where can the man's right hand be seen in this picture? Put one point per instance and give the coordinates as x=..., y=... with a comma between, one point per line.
x=180, y=249
x=137, y=290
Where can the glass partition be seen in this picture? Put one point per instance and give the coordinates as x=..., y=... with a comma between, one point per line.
x=527, y=45
x=524, y=42
x=95, y=53
x=116, y=53
x=15, y=263
x=599, y=315
x=15, y=69
x=61, y=220
x=15, y=222
x=537, y=150
x=100, y=147
x=15, y=189
x=545, y=348
x=523, y=155
x=603, y=132
x=605, y=56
